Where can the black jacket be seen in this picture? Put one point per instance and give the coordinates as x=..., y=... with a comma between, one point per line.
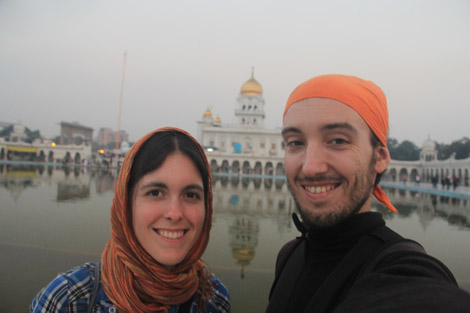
x=361, y=266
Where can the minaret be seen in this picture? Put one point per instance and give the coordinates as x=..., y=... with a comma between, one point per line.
x=249, y=109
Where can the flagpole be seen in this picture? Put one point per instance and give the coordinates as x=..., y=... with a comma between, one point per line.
x=120, y=104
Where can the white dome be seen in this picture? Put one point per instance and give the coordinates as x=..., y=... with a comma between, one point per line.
x=19, y=129
x=429, y=144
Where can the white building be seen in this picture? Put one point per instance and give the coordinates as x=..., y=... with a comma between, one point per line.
x=245, y=145
x=14, y=148
x=428, y=166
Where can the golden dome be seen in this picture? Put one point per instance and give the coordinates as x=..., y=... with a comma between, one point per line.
x=251, y=87
x=208, y=113
x=217, y=120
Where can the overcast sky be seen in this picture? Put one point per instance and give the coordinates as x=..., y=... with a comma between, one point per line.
x=63, y=60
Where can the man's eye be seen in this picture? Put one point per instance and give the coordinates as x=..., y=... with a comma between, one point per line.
x=339, y=141
x=294, y=143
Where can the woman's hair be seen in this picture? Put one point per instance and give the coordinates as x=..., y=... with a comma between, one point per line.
x=132, y=279
x=157, y=148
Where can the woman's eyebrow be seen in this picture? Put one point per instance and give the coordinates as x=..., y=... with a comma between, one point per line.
x=194, y=187
x=153, y=185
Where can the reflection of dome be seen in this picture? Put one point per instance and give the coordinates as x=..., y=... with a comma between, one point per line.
x=243, y=255
x=208, y=113
x=429, y=144
x=251, y=87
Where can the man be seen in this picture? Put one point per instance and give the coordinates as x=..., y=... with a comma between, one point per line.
x=347, y=260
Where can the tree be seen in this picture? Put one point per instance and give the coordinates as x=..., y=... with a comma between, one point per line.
x=461, y=149
x=404, y=151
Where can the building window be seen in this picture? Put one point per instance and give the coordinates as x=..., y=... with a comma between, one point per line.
x=261, y=145
x=273, y=146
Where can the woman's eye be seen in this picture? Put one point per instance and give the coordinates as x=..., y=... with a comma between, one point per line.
x=154, y=193
x=193, y=195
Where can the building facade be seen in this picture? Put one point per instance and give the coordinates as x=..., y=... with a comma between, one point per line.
x=14, y=148
x=245, y=146
x=107, y=136
x=428, y=167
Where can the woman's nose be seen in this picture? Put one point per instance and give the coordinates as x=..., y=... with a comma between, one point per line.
x=173, y=210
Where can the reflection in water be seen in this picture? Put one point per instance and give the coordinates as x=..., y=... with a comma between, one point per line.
x=247, y=200
x=244, y=231
x=73, y=183
x=455, y=211
x=252, y=220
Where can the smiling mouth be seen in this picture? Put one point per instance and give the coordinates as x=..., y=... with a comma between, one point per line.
x=320, y=189
x=170, y=234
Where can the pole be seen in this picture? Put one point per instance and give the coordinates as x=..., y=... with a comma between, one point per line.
x=120, y=104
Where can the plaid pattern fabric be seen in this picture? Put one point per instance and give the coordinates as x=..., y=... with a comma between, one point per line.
x=71, y=291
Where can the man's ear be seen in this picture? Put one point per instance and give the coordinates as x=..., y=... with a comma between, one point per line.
x=383, y=159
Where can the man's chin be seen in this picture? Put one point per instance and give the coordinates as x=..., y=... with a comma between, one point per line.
x=320, y=219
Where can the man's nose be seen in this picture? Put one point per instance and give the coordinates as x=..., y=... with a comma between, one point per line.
x=315, y=161
x=173, y=211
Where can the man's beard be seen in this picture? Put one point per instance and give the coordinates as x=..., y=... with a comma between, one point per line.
x=359, y=195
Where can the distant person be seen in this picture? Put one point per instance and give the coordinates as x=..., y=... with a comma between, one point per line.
x=455, y=182
x=160, y=222
x=346, y=259
x=448, y=182
x=434, y=181
x=418, y=180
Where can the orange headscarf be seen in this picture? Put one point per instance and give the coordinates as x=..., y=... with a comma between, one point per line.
x=363, y=96
x=131, y=278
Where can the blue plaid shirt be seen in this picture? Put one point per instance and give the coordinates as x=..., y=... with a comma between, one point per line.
x=71, y=291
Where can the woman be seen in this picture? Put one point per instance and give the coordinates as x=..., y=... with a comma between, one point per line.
x=160, y=222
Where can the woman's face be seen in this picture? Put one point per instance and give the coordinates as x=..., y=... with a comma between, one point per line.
x=168, y=209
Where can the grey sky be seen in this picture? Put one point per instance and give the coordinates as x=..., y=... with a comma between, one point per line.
x=62, y=60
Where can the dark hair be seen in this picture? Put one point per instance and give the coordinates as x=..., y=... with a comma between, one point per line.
x=153, y=153
x=375, y=142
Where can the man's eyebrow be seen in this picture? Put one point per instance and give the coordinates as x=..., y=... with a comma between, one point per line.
x=345, y=126
x=290, y=130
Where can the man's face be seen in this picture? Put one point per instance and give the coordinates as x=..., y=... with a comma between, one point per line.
x=329, y=160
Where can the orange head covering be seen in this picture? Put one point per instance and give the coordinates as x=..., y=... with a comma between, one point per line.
x=131, y=278
x=363, y=96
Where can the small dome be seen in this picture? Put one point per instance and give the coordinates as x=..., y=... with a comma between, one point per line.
x=429, y=144
x=251, y=87
x=217, y=120
x=208, y=113
x=19, y=129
